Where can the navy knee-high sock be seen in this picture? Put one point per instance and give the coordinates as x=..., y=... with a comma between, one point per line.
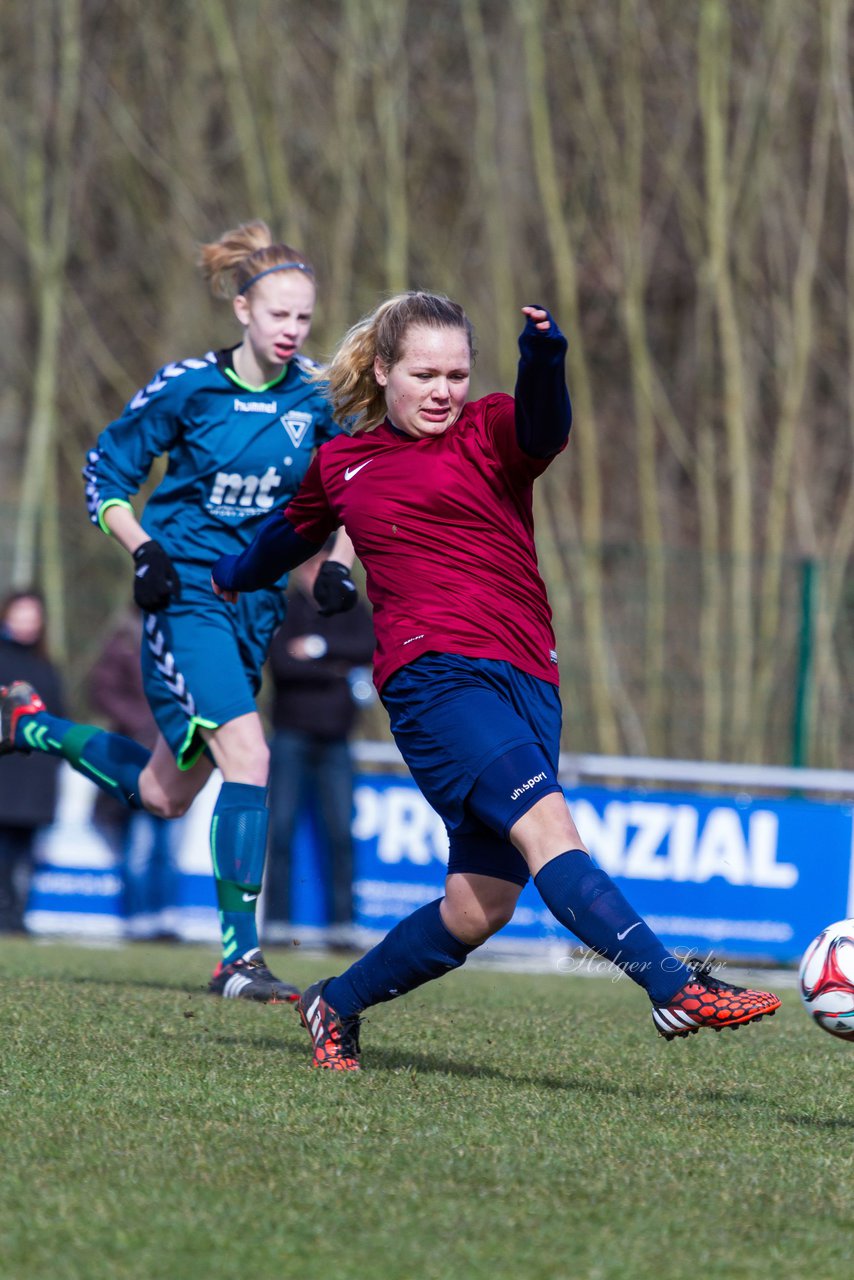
x=587, y=902
x=416, y=950
x=110, y=760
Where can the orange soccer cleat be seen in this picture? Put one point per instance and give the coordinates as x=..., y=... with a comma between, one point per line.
x=705, y=1001
x=335, y=1039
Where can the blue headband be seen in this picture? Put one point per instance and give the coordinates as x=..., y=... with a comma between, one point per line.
x=281, y=266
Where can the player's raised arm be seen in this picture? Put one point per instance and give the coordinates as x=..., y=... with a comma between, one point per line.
x=276, y=548
x=543, y=410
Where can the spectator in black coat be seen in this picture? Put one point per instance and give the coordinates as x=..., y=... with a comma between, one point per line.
x=28, y=783
x=312, y=663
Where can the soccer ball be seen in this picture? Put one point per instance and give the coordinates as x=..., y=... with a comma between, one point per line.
x=826, y=979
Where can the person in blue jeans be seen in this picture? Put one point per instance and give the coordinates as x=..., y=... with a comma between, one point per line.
x=314, y=713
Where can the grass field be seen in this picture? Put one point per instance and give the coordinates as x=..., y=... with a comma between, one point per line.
x=504, y=1126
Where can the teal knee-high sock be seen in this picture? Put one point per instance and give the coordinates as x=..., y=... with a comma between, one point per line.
x=110, y=760
x=238, y=849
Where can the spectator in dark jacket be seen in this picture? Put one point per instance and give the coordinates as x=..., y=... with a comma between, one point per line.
x=28, y=783
x=312, y=661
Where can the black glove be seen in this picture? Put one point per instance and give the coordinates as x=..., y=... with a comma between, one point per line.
x=334, y=589
x=155, y=578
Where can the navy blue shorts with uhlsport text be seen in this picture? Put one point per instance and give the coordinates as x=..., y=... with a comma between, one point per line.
x=482, y=740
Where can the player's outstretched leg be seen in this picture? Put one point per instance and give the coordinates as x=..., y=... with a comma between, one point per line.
x=110, y=760
x=706, y=1001
x=684, y=997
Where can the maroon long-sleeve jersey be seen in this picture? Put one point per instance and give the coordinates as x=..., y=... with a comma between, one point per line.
x=444, y=528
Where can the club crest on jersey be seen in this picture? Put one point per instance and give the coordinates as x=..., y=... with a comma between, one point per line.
x=296, y=424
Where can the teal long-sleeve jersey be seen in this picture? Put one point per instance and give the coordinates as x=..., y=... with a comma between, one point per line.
x=235, y=454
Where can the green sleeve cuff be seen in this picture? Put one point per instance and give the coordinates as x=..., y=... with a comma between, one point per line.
x=105, y=506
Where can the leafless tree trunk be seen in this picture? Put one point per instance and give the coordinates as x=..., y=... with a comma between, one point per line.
x=486, y=160
x=713, y=64
x=566, y=276
x=45, y=194
x=391, y=91
x=794, y=361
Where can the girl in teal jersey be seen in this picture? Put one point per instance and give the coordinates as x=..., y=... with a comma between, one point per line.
x=240, y=427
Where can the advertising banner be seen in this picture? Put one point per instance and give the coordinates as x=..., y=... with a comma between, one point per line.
x=738, y=876
x=744, y=877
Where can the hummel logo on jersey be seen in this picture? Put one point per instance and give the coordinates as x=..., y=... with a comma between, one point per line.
x=352, y=471
x=255, y=406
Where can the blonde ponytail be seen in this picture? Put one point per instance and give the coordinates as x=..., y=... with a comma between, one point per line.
x=232, y=263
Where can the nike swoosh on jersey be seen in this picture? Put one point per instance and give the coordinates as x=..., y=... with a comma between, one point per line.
x=352, y=471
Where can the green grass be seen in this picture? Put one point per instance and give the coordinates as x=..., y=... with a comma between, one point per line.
x=504, y=1126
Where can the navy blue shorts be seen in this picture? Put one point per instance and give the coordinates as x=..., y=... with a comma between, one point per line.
x=202, y=661
x=463, y=725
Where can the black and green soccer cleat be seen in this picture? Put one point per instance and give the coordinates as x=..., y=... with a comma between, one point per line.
x=249, y=979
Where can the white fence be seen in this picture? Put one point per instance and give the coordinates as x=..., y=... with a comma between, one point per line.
x=574, y=769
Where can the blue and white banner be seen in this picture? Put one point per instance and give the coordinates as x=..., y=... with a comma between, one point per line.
x=742, y=877
x=734, y=876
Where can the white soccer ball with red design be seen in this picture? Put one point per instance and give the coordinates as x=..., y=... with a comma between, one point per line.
x=826, y=979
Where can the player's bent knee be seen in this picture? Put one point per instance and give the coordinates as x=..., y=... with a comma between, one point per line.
x=499, y=916
x=473, y=919
x=167, y=806
x=496, y=915
x=477, y=928
x=161, y=803
x=472, y=933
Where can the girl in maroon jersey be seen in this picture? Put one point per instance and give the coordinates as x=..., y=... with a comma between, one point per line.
x=436, y=492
